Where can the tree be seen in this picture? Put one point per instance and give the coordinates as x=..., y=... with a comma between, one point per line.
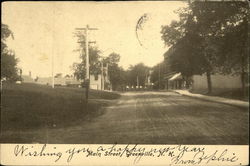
x=138, y=73
x=113, y=58
x=185, y=54
x=94, y=60
x=198, y=37
x=115, y=72
x=8, y=60
x=234, y=46
x=228, y=22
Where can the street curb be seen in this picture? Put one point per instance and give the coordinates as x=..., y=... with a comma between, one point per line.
x=244, y=105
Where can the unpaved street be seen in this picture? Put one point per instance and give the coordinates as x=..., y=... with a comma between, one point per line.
x=162, y=118
x=153, y=118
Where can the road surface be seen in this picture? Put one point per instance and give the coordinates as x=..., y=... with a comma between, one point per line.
x=156, y=118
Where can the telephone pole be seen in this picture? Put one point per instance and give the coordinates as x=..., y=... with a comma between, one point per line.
x=53, y=77
x=87, y=29
x=87, y=81
x=102, y=70
x=102, y=78
x=107, y=75
x=159, y=76
x=87, y=52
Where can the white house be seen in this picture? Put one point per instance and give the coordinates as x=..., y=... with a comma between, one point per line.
x=99, y=83
x=95, y=81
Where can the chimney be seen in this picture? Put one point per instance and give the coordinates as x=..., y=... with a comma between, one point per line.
x=30, y=73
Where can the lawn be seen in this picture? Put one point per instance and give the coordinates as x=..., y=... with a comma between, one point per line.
x=32, y=106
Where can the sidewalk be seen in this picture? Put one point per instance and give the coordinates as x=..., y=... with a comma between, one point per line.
x=233, y=102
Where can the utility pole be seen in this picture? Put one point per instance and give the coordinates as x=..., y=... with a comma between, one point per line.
x=21, y=72
x=102, y=78
x=107, y=76
x=53, y=78
x=87, y=81
x=159, y=76
x=87, y=52
x=106, y=73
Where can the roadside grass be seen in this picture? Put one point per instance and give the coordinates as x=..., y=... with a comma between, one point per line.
x=32, y=106
x=235, y=93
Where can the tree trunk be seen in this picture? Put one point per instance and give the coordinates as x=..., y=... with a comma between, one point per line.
x=209, y=82
x=244, y=59
x=243, y=85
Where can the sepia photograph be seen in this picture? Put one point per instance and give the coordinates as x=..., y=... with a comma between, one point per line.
x=141, y=72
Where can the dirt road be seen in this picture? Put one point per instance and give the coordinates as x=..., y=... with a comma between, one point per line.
x=155, y=118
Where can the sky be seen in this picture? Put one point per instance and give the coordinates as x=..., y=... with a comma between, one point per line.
x=43, y=30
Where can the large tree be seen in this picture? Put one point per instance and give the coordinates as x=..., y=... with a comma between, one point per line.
x=8, y=60
x=234, y=45
x=115, y=72
x=218, y=23
x=137, y=74
x=199, y=36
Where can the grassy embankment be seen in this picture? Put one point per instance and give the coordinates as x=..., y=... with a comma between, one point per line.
x=31, y=106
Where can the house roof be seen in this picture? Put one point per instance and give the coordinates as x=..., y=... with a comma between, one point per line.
x=169, y=75
x=176, y=77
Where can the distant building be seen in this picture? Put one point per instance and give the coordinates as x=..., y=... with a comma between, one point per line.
x=44, y=80
x=27, y=78
x=219, y=81
x=199, y=82
x=99, y=82
x=59, y=81
x=176, y=81
x=95, y=81
x=72, y=82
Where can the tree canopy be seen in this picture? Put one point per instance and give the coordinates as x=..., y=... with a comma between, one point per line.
x=139, y=71
x=210, y=37
x=8, y=60
x=116, y=73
